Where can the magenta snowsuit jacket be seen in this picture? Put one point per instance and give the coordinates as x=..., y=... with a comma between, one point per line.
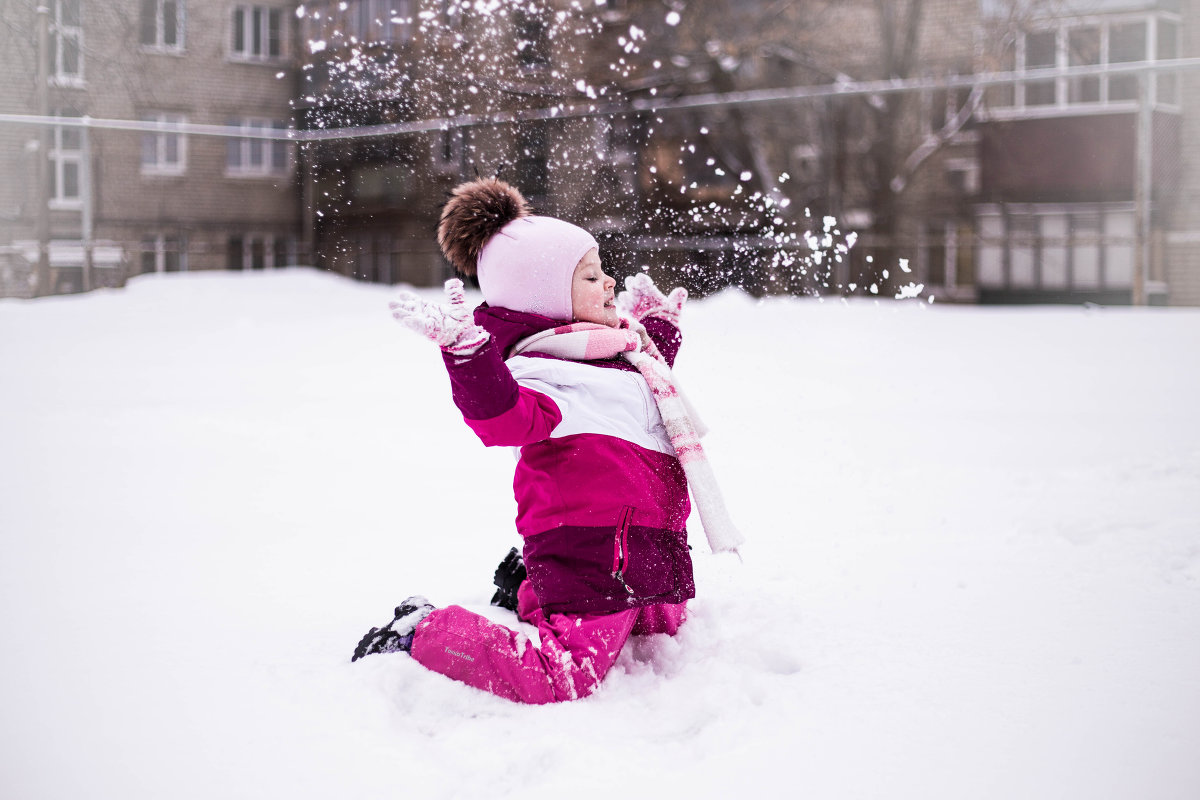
x=601, y=498
x=601, y=504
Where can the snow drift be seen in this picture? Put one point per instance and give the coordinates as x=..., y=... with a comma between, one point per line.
x=973, y=566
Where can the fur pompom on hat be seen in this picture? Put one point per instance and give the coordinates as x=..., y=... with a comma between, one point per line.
x=524, y=262
x=475, y=212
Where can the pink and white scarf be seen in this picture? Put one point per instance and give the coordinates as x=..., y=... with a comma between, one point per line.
x=586, y=341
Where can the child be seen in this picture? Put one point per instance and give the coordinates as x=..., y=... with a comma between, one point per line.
x=607, y=450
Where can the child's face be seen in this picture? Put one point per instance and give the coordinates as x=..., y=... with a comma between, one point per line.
x=592, y=295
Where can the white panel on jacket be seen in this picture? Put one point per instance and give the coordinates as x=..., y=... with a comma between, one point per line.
x=602, y=400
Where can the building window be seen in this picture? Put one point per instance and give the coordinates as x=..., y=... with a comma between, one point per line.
x=362, y=22
x=253, y=155
x=163, y=253
x=1126, y=44
x=258, y=33
x=66, y=42
x=259, y=251
x=945, y=258
x=533, y=155
x=447, y=150
x=933, y=240
x=162, y=24
x=450, y=14
x=386, y=21
x=614, y=144
x=1040, y=51
x=1070, y=248
x=66, y=166
x=164, y=152
x=533, y=39
x=1167, y=48
x=376, y=259
x=1084, y=48
x=1121, y=39
x=962, y=176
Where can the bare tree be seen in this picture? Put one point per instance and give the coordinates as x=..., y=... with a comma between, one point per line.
x=843, y=154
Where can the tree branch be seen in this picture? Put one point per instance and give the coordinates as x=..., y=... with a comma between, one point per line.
x=934, y=141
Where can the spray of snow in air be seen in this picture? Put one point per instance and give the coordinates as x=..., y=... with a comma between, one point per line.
x=651, y=184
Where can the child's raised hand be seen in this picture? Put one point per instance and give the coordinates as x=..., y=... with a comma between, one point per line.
x=450, y=326
x=456, y=296
x=642, y=299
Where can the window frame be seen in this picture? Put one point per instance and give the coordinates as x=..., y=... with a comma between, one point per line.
x=1062, y=104
x=61, y=32
x=1092, y=233
x=60, y=157
x=277, y=157
x=161, y=166
x=531, y=34
x=270, y=244
x=448, y=146
x=532, y=157
x=363, y=14
x=256, y=49
x=451, y=15
x=159, y=45
x=160, y=245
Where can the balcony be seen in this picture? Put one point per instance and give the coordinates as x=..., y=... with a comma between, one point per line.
x=1075, y=158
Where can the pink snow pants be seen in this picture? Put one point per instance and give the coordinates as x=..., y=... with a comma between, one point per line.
x=576, y=652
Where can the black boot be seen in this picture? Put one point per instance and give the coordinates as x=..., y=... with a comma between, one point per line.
x=508, y=577
x=397, y=635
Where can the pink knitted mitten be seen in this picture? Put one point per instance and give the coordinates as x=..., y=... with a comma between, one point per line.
x=450, y=326
x=642, y=299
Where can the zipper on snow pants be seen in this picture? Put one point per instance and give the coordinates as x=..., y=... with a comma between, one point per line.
x=621, y=546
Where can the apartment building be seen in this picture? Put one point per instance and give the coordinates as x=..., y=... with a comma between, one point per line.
x=125, y=202
x=1060, y=213
x=1044, y=189
x=1029, y=191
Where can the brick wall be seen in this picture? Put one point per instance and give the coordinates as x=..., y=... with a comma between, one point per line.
x=124, y=80
x=17, y=158
x=1182, y=251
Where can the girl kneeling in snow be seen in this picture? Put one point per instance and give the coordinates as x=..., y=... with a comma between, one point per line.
x=607, y=451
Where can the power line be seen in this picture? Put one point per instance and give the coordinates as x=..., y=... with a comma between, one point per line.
x=639, y=105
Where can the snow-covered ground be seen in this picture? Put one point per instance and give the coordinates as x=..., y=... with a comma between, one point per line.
x=973, y=567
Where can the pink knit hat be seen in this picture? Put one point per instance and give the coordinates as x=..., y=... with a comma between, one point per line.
x=524, y=262
x=529, y=264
